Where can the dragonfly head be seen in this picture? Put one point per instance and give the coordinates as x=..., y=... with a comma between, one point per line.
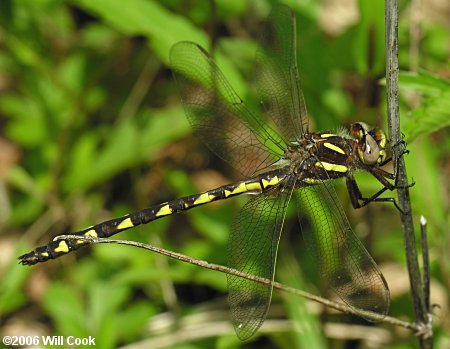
x=371, y=143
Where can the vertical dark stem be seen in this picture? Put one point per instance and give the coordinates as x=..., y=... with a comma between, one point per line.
x=391, y=18
x=426, y=262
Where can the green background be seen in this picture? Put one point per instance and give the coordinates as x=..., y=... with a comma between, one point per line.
x=91, y=128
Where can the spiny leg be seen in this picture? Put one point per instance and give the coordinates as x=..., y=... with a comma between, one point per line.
x=359, y=201
x=383, y=177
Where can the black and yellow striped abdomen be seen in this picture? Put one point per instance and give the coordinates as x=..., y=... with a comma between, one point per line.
x=106, y=229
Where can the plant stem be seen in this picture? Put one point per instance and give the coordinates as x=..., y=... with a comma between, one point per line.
x=391, y=18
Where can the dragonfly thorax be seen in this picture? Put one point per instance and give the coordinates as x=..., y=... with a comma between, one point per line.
x=295, y=156
x=320, y=156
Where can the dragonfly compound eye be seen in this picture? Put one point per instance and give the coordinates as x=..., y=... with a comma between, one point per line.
x=357, y=130
x=371, y=150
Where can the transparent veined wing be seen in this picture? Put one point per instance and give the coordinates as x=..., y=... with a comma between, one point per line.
x=253, y=249
x=218, y=116
x=342, y=260
x=277, y=77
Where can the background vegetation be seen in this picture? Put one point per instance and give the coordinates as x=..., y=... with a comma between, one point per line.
x=91, y=128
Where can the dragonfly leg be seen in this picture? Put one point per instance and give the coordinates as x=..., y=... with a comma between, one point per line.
x=401, y=143
x=383, y=177
x=359, y=201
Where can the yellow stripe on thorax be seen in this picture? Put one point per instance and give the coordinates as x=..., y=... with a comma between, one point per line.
x=333, y=147
x=331, y=167
x=327, y=135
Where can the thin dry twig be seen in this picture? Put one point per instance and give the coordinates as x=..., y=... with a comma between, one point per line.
x=223, y=269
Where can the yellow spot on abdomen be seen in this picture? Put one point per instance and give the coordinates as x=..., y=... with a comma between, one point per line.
x=271, y=182
x=253, y=186
x=241, y=188
x=44, y=254
x=331, y=167
x=203, y=199
x=333, y=147
x=92, y=233
x=327, y=135
x=62, y=247
x=125, y=224
x=164, y=211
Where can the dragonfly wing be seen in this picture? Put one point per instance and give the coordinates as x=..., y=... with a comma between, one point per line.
x=277, y=77
x=341, y=258
x=253, y=249
x=217, y=114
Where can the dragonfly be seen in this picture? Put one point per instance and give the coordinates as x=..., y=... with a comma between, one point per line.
x=281, y=161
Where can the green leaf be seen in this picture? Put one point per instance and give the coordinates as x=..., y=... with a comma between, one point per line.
x=426, y=154
x=105, y=302
x=13, y=277
x=423, y=82
x=134, y=318
x=141, y=17
x=127, y=144
x=64, y=305
x=307, y=332
x=27, y=126
x=433, y=112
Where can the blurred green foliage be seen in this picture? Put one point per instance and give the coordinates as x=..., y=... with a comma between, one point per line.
x=91, y=128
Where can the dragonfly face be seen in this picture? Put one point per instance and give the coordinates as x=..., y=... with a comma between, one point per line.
x=371, y=143
x=282, y=162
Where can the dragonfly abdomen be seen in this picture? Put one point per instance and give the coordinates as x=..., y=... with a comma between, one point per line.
x=106, y=229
